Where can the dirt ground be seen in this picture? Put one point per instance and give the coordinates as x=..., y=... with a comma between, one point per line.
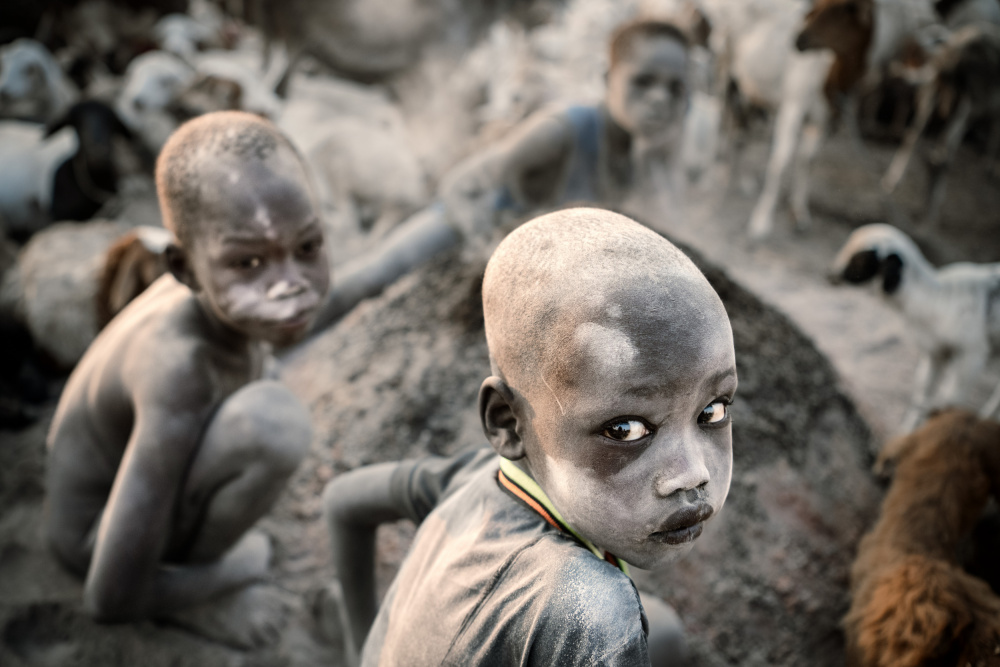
x=824, y=377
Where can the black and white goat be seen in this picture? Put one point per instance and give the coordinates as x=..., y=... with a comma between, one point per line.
x=89, y=178
x=954, y=311
x=43, y=177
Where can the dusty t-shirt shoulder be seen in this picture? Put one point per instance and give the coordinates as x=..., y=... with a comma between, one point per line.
x=488, y=581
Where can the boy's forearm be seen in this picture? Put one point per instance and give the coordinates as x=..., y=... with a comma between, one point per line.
x=354, y=505
x=353, y=550
x=173, y=588
x=414, y=241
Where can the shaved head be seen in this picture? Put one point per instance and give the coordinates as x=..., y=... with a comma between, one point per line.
x=201, y=152
x=568, y=287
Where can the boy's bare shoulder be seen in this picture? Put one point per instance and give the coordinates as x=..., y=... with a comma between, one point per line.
x=161, y=344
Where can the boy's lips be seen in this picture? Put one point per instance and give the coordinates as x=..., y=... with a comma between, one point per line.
x=684, y=525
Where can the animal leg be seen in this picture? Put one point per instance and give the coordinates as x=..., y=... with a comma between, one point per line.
x=786, y=137
x=926, y=96
x=993, y=149
x=957, y=375
x=991, y=406
x=928, y=372
x=944, y=155
x=812, y=135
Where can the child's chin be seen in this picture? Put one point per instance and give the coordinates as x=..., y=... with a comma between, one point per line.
x=657, y=555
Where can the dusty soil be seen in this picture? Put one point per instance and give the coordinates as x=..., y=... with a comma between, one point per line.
x=398, y=377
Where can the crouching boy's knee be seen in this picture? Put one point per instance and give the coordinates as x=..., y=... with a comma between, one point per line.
x=268, y=424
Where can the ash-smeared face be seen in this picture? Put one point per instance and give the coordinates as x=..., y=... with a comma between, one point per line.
x=630, y=435
x=259, y=258
x=648, y=90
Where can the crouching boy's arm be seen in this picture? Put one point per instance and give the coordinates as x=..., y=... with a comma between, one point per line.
x=127, y=579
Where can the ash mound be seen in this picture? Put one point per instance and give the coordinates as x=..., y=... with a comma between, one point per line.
x=766, y=583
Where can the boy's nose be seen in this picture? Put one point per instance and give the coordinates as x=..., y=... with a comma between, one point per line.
x=658, y=94
x=290, y=283
x=683, y=469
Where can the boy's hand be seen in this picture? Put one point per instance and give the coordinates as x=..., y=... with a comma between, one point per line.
x=469, y=193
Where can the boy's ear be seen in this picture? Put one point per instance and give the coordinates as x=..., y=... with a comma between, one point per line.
x=179, y=266
x=498, y=413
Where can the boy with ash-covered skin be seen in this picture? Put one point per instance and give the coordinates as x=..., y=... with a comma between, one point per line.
x=607, y=411
x=168, y=444
x=570, y=154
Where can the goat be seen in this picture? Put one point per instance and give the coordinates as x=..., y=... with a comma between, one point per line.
x=47, y=176
x=86, y=180
x=32, y=85
x=152, y=81
x=184, y=36
x=954, y=310
x=132, y=263
x=962, y=81
x=862, y=35
x=960, y=13
x=911, y=603
x=28, y=161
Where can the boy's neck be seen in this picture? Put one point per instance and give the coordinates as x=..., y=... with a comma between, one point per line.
x=519, y=481
x=218, y=332
x=618, y=144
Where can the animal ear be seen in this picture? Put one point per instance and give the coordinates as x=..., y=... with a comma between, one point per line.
x=892, y=273
x=499, y=415
x=892, y=452
x=121, y=127
x=863, y=266
x=57, y=125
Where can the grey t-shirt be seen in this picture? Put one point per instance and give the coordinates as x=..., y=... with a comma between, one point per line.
x=489, y=582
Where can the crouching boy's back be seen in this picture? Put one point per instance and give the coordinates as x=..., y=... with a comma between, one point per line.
x=612, y=369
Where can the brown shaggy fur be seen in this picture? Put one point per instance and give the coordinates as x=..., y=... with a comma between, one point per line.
x=129, y=268
x=911, y=602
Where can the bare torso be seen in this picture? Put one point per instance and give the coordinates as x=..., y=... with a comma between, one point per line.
x=162, y=337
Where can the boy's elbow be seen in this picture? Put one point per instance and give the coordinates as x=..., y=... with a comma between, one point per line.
x=336, y=497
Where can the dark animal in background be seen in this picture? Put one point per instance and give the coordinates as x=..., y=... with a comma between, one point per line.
x=911, y=602
x=962, y=85
x=89, y=178
x=24, y=375
x=954, y=312
x=847, y=28
x=131, y=265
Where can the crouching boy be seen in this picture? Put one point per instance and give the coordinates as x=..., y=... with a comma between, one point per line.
x=167, y=444
x=607, y=411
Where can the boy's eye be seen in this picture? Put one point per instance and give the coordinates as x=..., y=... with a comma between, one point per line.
x=626, y=429
x=644, y=80
x=310, y=248
x=248, y=263
x=714, y=413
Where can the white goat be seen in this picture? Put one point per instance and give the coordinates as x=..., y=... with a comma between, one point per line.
x=28, y=162
x=183, y=35
x=32, y=85
x=954, y=310
x=151, y=82
x=803, y=110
